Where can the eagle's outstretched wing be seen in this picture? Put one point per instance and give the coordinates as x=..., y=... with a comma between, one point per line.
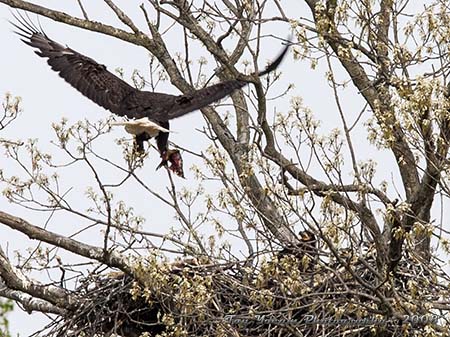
x=205, y=96
x=112, y=93
x=81, y=72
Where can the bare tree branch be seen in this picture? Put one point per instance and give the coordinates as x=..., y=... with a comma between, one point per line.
x=137, y=39
x=85, y=15
x=15, y=280
x=29, y=302
x=111, y=258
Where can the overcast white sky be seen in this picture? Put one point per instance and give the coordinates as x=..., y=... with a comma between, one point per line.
x=47, y=98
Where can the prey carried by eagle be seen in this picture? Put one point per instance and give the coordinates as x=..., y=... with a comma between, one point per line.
x=149, y=113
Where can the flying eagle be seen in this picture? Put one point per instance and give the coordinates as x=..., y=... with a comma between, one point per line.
x=149, y=113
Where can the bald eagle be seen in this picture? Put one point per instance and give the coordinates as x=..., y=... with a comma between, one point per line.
x=148, y=113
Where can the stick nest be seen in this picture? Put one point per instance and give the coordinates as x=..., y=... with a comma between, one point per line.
x=293, y=292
